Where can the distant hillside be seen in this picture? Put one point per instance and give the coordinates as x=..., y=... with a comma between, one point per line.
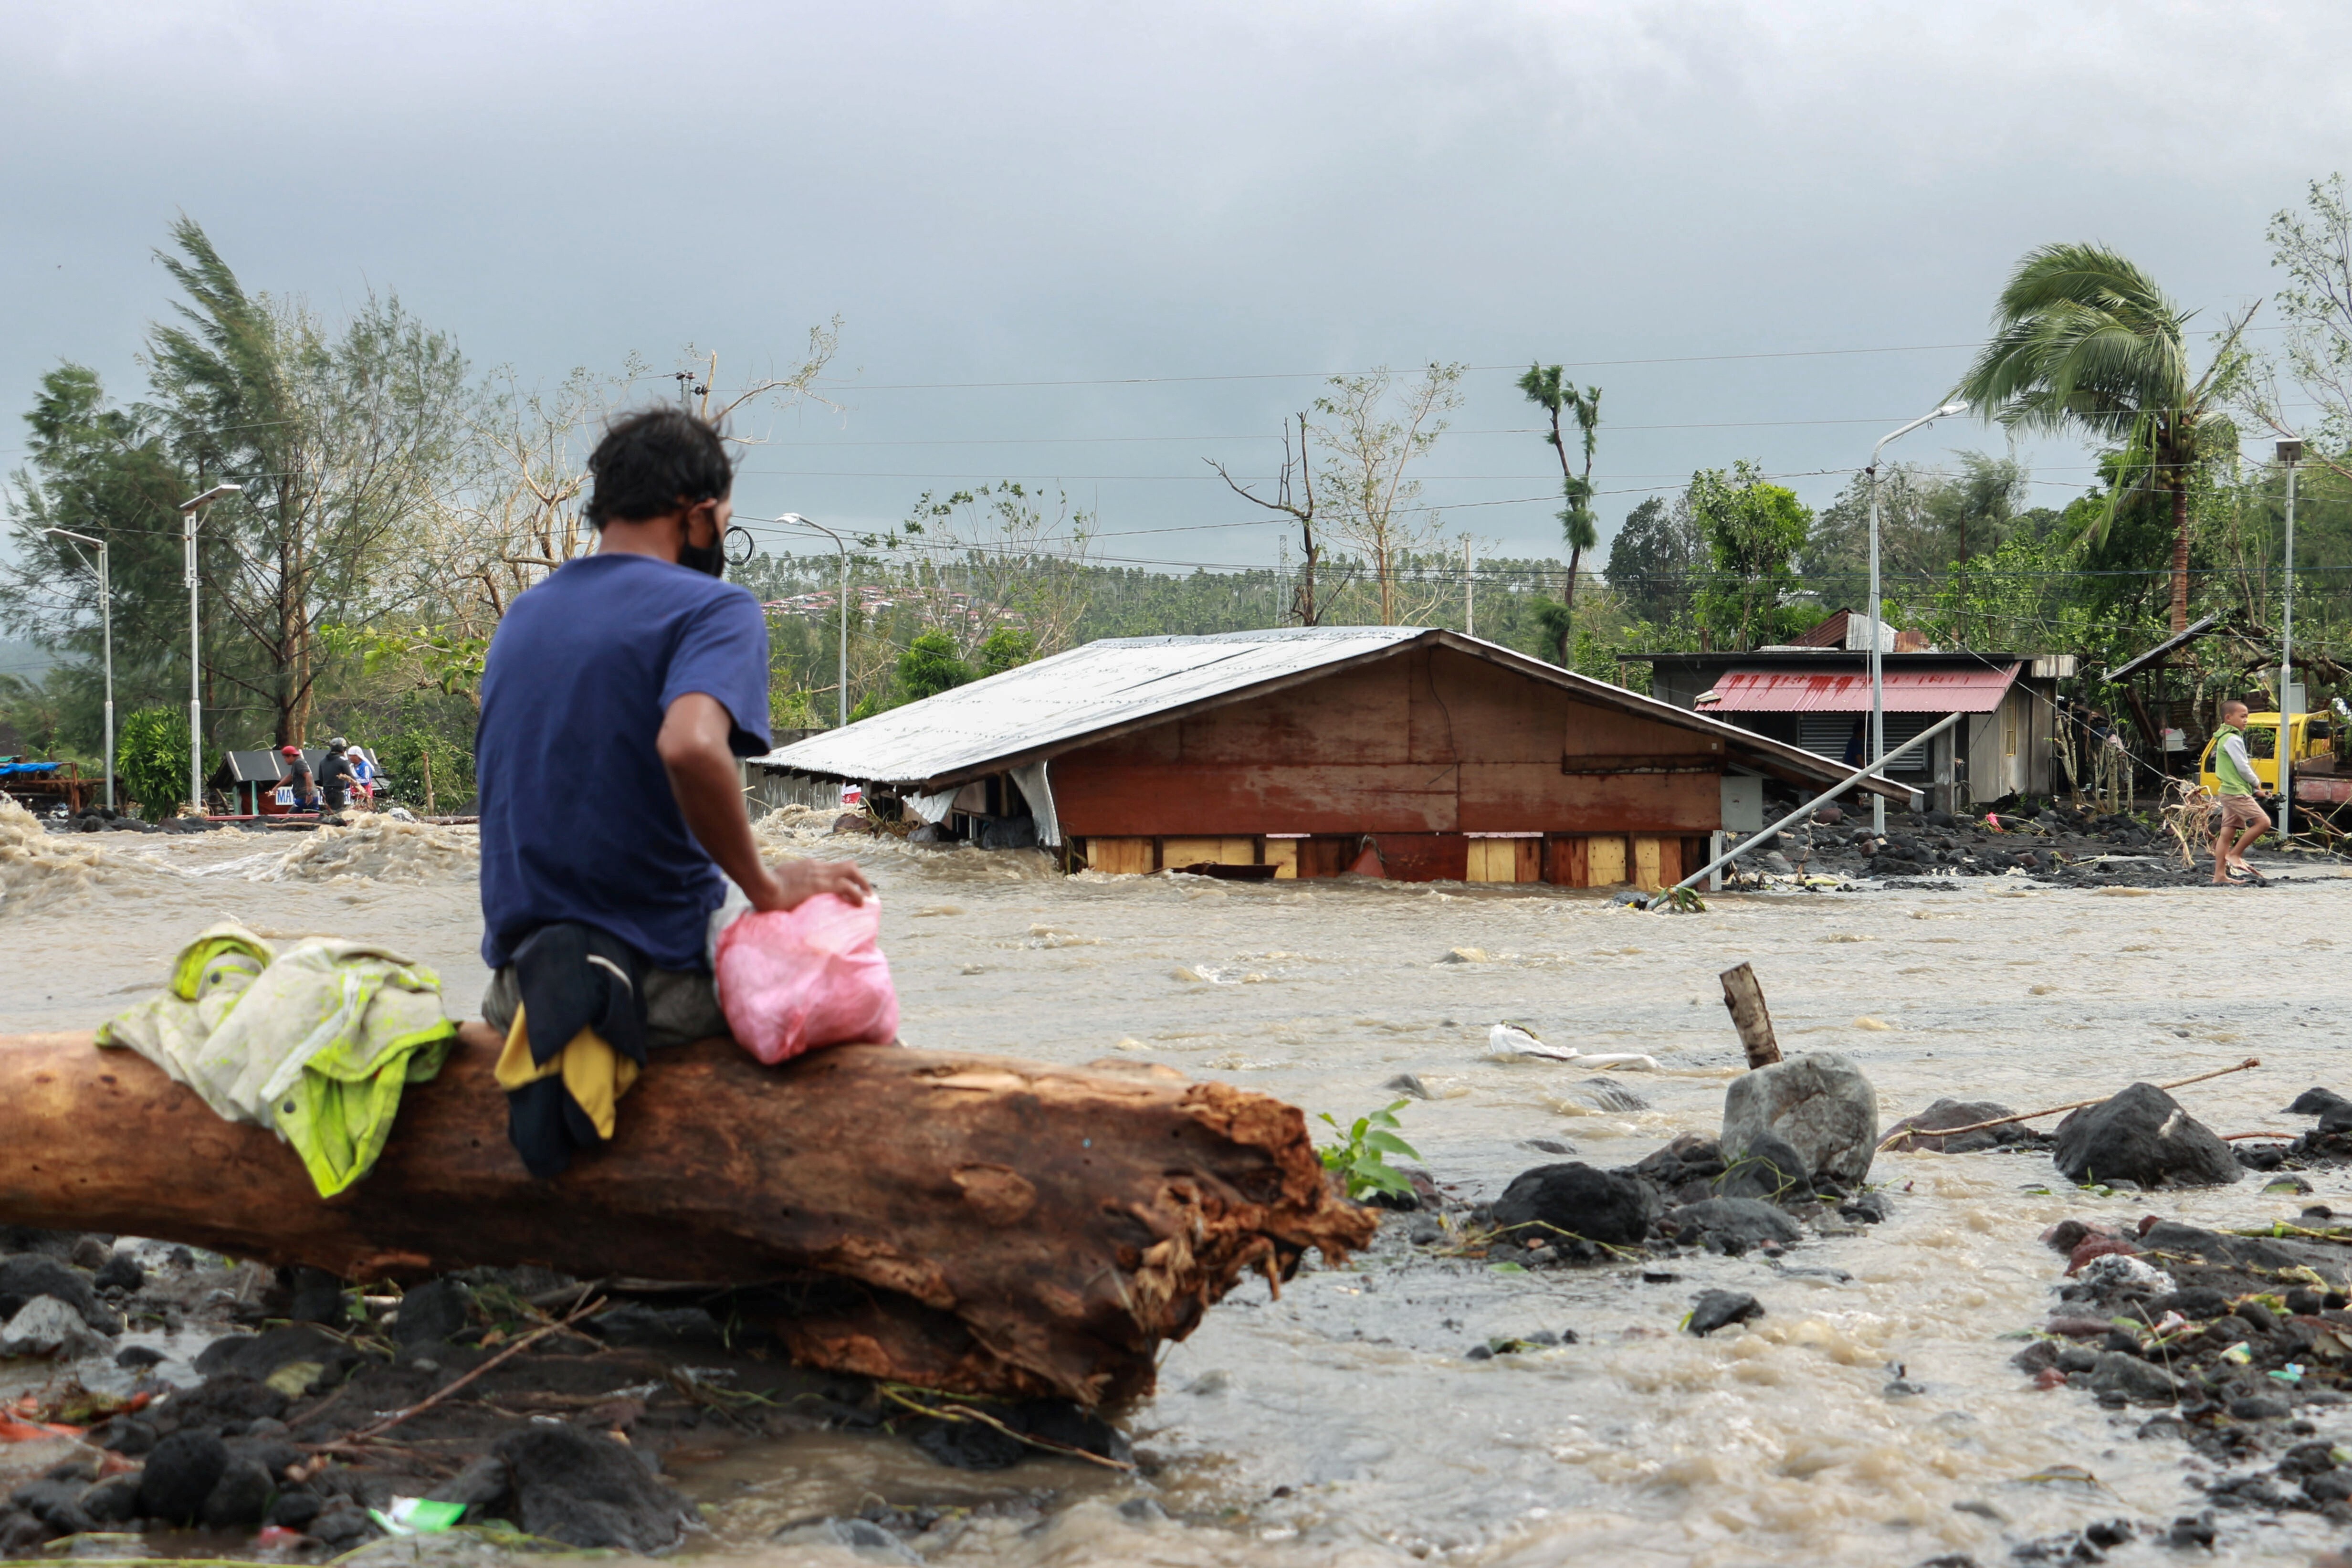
x=24, y=658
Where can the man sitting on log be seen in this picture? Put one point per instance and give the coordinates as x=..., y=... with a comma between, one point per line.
x=617, y=696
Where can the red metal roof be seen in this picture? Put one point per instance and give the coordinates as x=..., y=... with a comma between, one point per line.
x=1908, y=691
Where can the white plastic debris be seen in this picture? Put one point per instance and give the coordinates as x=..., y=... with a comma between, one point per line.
x=1517, y=1043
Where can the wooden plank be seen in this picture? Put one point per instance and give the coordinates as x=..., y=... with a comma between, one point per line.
x=1526, y=858
x=1325, y=856
x=1606, y=853
x=1646, y=862
x=1215, y=801
x=1503, y=797
x=1120, y=857
x=1220, y=851
x=1745, y=998
x=1349, y=716
x=1571, y=861
x=1282, y=853
x=1478, y=864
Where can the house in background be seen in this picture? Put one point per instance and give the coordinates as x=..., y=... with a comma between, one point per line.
x=1813, y=692
x=1408, y=752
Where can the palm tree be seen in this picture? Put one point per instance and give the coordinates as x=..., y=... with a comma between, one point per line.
x=1548, y=387
x=2084, y=342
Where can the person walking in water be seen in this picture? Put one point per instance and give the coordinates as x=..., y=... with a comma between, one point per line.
x=2243, y=818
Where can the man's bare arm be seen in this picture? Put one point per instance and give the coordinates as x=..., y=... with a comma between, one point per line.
x=701, y=768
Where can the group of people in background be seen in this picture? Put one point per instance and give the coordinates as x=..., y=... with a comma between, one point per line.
x=343, y=774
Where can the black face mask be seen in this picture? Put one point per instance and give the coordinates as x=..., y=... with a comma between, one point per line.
x=707, y=559
x=711, y=560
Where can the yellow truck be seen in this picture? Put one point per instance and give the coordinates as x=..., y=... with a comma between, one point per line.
x=2322, y=779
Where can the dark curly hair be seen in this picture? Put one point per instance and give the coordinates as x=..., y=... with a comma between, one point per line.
x=650, y=464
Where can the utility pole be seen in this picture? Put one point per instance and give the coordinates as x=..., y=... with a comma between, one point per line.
x=2290, y=453
x=106, y=623
x=1878, y=631
x=188, y=510
x=1469, y=593
x=843, y=691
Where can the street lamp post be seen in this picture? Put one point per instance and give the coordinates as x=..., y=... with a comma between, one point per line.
x=2290, y=453
x=188, y=509
x=1877, y=674
x=842, y=688
x=106, y=623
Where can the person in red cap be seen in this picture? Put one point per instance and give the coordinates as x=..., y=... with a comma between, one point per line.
x=298, y=776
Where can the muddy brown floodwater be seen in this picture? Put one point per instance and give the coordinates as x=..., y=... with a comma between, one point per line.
x=1343, y=1425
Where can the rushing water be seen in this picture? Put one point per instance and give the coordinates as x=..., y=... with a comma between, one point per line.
x=1343, y=1423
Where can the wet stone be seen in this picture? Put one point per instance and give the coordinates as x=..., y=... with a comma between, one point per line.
x=431, y=1314
x=240, y=1497
x=1576, y=1200
x=57, y=1504
x=590, y=1491
x=2143, y=1135
x=2136, y=1381
x=1733, y=1225
x=30, y=1275
x=114, y=1500
x=1720, y=1309
x=1820, y=1104
x=1769, y=1169
x=120, y=1272
x=180, y=1475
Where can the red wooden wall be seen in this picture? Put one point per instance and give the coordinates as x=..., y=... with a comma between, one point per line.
x=1428, y=742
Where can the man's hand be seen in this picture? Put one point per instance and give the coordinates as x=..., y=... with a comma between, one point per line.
x=794, y=882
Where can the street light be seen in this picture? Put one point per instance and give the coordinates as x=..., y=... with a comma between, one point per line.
x=1877, y=674
x=843, y=688
x=106, y=621
x=2290, y=453
x=188, y=509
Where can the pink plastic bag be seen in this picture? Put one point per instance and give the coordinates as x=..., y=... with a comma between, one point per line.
x=795, y=980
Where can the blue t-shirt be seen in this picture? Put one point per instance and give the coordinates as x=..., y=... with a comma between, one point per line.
x=578, y=821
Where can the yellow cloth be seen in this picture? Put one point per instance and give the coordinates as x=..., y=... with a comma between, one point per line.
x=316, y=1043
x=594, y=1075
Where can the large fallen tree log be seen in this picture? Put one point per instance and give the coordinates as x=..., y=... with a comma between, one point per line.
x=978, y=1223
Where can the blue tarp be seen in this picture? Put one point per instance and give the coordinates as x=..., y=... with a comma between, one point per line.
x=22, y=770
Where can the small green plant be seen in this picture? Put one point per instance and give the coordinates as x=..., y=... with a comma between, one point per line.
x=1361, y=1159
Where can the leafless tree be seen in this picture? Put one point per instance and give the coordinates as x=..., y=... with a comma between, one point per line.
x=1364, y=480
x=1302, y=596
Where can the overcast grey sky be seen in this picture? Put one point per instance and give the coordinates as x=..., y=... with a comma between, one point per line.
x=1234, y=199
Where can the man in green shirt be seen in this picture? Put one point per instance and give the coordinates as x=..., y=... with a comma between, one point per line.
x=2242, y=817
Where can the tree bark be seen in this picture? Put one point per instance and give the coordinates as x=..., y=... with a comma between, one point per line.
x=2179, y=558
x=1744, y=997
x=978, y=1224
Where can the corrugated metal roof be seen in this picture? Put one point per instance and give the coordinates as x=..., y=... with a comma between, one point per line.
x=1074, y=694
x=1121, y=683
x=1906, y=692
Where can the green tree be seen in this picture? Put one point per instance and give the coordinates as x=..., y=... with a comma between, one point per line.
x=1657, y=549
x=2085, y=343
x=929, y=666
x=150, y=761
x=1548, y=388
x=340, y=439
x=1753, y=531
x=103, y=471
x=1005, y=648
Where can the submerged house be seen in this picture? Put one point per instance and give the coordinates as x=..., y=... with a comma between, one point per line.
x=1403, y=751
